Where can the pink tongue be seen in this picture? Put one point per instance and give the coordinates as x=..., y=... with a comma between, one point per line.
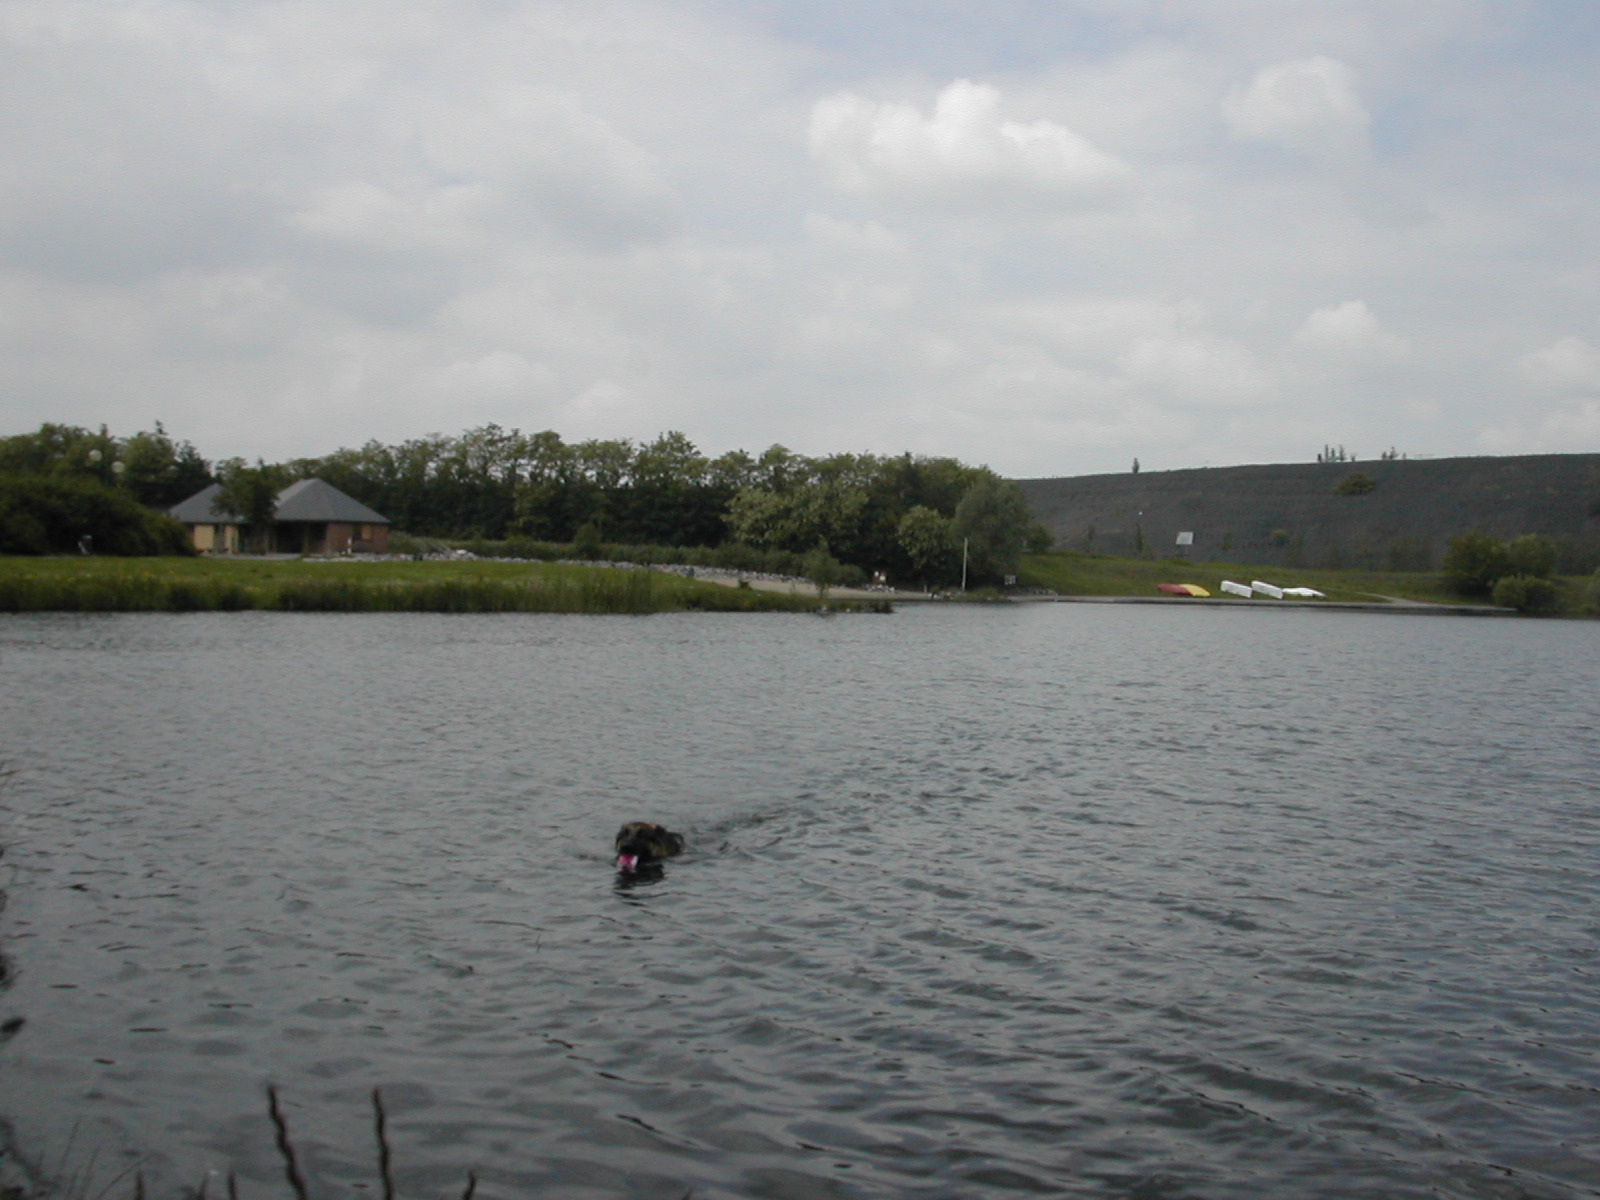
x=627, y=862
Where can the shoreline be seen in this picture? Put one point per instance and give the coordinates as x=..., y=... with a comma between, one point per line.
x=1417, y=607
x=1393, y=604
x=499, y=585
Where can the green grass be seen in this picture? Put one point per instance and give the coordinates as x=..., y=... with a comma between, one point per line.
x=90, y=584
x=1102, y=575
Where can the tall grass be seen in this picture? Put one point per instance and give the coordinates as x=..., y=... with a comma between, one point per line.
x=595, y=591
x=130, y=592
x=161, y=585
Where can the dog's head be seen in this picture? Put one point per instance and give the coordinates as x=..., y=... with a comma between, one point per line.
x=640, y=843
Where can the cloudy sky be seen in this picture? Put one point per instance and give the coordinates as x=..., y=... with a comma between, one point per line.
x=1047, y=236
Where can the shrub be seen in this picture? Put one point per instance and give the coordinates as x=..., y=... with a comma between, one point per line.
x=1591, y=595
x=1527, y=593
x=61, y=515
x=1531, y=554
x=1357, y=484
x=1476, y=563
x=1473, y=562
x=822, y=568
x=586, y=543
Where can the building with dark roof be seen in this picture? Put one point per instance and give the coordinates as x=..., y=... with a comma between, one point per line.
x=310, y=517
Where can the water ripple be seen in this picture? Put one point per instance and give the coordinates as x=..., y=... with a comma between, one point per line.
x=1071, y=901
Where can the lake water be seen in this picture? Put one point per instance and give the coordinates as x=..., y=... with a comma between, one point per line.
x=1062, y=900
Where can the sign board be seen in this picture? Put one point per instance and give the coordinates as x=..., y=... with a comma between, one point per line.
x=1186, y=539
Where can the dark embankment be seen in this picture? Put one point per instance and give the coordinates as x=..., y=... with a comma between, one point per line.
x=1383, y=515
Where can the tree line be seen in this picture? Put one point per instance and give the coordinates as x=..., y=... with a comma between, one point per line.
x=913, y=518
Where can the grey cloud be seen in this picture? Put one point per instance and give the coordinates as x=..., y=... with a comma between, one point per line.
x=119, y=166
x=301, y=223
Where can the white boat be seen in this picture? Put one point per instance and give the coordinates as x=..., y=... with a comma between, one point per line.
x=1266, y=589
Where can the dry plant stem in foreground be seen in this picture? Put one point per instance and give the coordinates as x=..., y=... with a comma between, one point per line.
x=291, y=1168
x=291, y=1164
x=383, y=1145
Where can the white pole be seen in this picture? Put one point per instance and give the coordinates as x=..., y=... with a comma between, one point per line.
x=964, y=563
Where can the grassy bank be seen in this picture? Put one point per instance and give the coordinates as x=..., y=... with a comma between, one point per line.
x=88, y=584
x=1105, y=575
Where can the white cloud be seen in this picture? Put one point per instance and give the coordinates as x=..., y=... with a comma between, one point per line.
x=963, y=154
x=1307, y=104
x=1348, y=334
x=1568, y=365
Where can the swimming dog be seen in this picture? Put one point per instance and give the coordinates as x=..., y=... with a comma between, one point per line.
x=643, y=844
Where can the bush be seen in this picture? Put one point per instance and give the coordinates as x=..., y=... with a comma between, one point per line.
x=1527, y=593
x=1476, y=564
x=1473, y=562
x=1531, y=554
x=1357, y=484
x=586, y=543
x=822, y=568
x=1590, y=603
x=63, y=515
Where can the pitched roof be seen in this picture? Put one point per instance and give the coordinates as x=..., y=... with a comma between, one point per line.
x=314, y=500
x=200, y=509
x=307, y=500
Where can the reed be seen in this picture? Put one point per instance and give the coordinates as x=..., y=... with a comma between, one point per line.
x=189, y=585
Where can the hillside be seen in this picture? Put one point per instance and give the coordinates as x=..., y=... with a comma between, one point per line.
x=1290, y=514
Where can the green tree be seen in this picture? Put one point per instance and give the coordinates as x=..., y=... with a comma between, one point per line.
x=251, y=494
x=780, y=468
x=156, y=470
x=61, y=450
x=1473, y=562
x=160, y=472
x=1358, y=483
x=1532, y=554
x=668, y=499
x=993, y=519
x=930, y=545
x=66, y=514
x=822, y=568
x=799, y=518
